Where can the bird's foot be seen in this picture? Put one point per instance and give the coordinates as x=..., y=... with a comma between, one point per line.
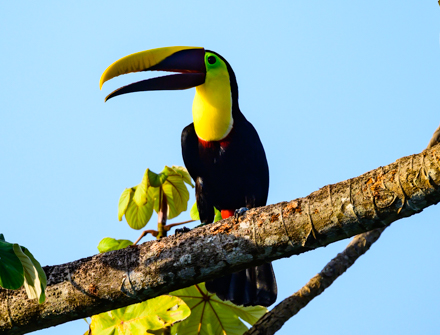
x=182, y=230
x=241, y=212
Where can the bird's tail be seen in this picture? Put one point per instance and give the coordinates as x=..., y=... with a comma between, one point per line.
x=251, y=287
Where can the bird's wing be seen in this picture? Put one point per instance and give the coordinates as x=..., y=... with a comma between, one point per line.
x=194, y=165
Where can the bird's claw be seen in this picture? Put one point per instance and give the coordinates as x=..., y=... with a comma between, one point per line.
x=182, y=230
x=240, y=212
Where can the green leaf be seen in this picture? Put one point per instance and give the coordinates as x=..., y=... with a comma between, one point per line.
x=41, y=274
x=156, y=180
x=212, y=316
x=184, y=173
x=177, y=195
x=154, y=194
x=138, y=216
x=140, y=196
x=34, y=281
x=218, y=215
x=137, y=203
x=123, y=202
x=110, y=244
x=194, y=212
x=11, y=270
x=136, y=319
x=19, y=267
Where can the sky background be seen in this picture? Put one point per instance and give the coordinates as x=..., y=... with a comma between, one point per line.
x=334, y=88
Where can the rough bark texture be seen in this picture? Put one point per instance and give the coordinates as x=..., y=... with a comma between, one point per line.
x=435, y=138
x=119, y=278
x=272, y=321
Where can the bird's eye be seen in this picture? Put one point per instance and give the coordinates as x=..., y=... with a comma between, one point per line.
x=211, y=59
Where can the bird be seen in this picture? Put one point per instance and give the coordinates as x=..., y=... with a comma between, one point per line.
x=221, y=149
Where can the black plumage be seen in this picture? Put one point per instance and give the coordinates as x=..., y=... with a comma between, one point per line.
x=230, y=174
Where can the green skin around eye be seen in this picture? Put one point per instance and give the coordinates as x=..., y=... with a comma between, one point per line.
x=215, y=64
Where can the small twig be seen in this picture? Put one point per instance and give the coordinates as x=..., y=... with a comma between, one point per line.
x=165, y=228
x=171, y=225
x=145, y=232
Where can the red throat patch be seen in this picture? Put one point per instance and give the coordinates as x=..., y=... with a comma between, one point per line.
x=206, y=144
x=224, y=143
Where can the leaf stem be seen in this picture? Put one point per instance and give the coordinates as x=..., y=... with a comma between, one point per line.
x=162, y=216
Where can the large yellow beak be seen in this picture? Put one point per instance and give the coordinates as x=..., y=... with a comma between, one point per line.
x=187, y=60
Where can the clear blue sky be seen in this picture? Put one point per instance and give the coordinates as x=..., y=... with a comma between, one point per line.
x=334, y=88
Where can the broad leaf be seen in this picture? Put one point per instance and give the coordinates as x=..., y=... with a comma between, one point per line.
x=194, y=213
x=110, y=244
x=138, y=216
x=218, y=215
x=154, y=194
x=140, y=196
x=11, y=270
x=212, y=316
x=139, y=318
x=123, y=202
x=34, y=276
x=156, y=180
x=177, y=195
x=137, y=203
x=184, y=173
x=41, y=274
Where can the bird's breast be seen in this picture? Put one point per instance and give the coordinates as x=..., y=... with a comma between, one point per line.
x=215, y=155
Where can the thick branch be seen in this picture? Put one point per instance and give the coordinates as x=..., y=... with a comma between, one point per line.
x=119, y=278
x=272, y=321
x=435, y=138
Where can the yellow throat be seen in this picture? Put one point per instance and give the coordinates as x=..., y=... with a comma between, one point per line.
x=212, y=105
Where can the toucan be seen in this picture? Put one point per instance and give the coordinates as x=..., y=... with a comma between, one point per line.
x=221, y=149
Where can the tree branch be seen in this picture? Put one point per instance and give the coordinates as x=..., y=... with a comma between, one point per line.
x=119, y=278
x=435, y=138
x=273, y=320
